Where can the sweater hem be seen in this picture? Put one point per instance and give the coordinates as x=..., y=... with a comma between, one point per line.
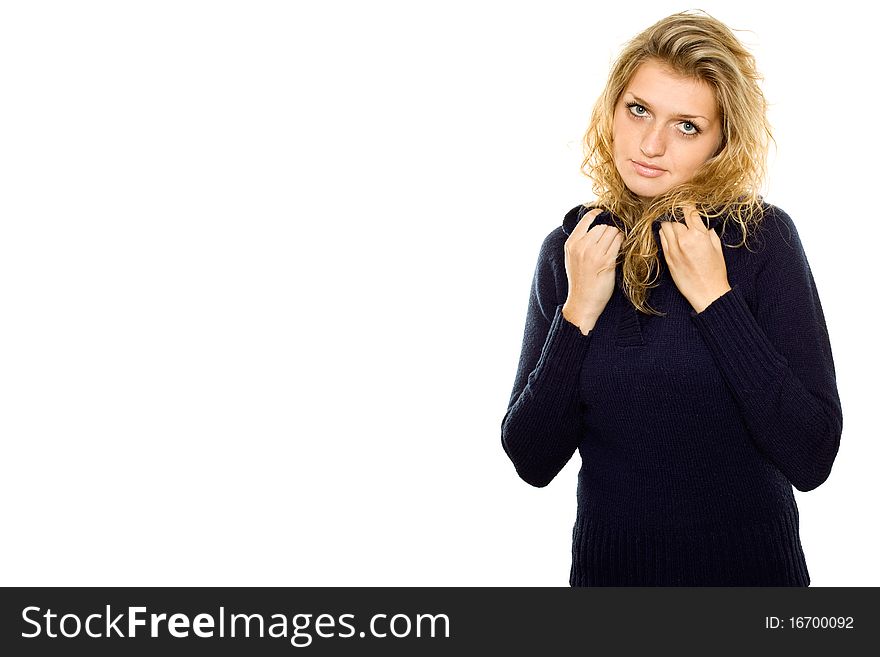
x=765, y=553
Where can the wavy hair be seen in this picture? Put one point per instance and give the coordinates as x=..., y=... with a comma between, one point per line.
x=694, y=45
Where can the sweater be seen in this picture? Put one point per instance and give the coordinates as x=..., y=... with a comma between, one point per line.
x=692, y=427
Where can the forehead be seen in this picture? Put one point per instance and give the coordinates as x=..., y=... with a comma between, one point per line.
x=670, y=93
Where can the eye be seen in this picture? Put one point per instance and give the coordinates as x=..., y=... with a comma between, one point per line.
x=633, y=107
x=640, y=112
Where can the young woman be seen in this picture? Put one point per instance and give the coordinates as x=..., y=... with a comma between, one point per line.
x=694, y=421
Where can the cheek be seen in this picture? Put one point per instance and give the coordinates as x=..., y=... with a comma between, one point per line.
x=686, y=160
x=621, y=137
x=696, y=158
x=621, y=129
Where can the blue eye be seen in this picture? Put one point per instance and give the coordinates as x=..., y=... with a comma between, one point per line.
x=631, y=105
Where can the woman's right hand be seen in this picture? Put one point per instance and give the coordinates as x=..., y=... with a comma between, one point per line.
x=590, y=259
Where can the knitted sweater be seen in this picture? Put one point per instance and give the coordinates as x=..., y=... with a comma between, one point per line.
x=692, y=427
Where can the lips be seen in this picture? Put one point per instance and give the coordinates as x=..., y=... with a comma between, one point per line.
x=646, y=171
x=648, y=166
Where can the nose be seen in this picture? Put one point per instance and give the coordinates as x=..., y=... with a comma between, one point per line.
x=652, y=142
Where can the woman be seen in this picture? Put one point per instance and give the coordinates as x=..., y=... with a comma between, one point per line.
x=694, y=422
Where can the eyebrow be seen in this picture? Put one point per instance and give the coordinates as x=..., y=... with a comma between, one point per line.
x=678, y=116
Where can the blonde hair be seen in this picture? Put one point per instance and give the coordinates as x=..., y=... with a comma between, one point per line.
x=697, y=46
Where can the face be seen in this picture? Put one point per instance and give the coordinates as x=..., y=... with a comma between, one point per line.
x=665, y=121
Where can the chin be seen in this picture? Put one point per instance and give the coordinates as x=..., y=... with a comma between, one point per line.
x=644, y=189
x=641, y=187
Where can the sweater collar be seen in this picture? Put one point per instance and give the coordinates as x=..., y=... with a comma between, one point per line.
x=573, y=216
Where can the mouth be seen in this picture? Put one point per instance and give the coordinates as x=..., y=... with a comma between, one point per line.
x=646, y=170
x=645, y=165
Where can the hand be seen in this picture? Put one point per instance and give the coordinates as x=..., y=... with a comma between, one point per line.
x=695, y=259
x=590, y=259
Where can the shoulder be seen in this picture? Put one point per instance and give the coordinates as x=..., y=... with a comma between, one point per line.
x=553, y=246
x=551, y=280
x=777, y=225
x=781, y=255
x=776, y=234
x=551, y=262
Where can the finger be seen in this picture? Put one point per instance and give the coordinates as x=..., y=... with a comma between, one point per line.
x=667, y=236
x=586, y=221
x=672, y=228
x=615, y=243
x=692, y=218
x=597, y=233
x=606, y=239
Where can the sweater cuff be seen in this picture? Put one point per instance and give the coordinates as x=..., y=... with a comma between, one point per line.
x=742, y=350
x=563, y=353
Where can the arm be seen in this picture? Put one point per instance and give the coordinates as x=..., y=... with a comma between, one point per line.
x=541, y=428
x=776, y=359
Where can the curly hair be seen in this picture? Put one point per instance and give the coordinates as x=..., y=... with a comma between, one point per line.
x=692, y=44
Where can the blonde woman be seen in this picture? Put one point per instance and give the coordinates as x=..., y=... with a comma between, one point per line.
x=674, y=334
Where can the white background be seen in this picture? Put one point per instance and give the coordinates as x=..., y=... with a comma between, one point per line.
x=264, y=269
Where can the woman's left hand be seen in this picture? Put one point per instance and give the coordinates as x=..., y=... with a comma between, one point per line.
x=695, y=259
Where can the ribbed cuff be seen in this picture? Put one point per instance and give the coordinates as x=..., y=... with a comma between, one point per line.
x=562, y=356
x=742, y=350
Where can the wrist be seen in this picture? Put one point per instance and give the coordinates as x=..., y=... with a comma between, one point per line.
x=701, y=306
x=585, y=320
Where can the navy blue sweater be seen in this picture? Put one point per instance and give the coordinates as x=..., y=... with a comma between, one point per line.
x=692, y=428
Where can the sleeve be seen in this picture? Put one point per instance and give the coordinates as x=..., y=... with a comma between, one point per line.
x=542, y=426
x=776, y=359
